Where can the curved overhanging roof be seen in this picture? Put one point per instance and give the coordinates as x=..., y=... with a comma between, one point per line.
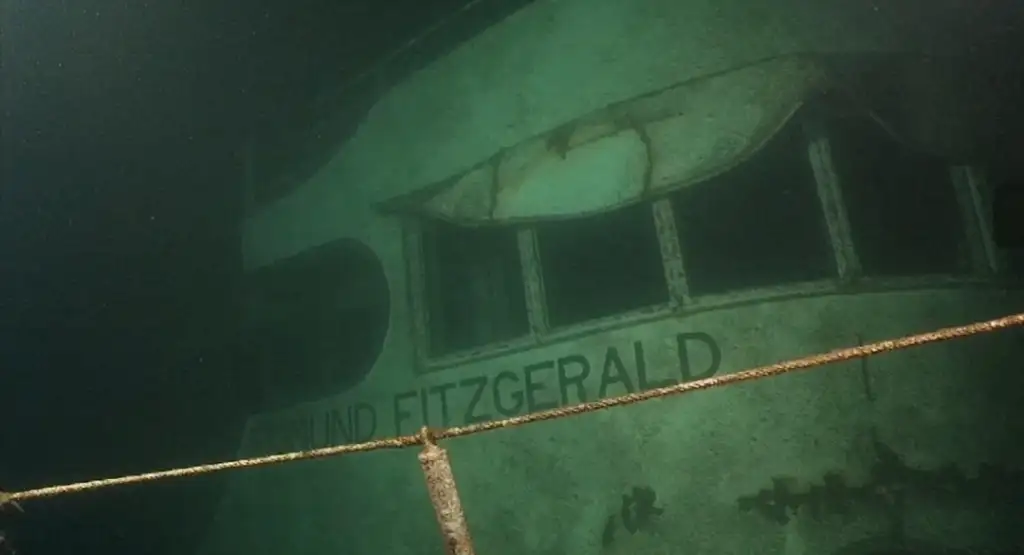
x=620, y=100
x=690, y=132
x=628, y=151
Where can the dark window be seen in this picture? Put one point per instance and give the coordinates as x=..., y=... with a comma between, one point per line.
x=1012, y=261
x=474, y=286
x=601, y=265
x=315, y=322
x=759, y=224
x=1006, y=199
x=902, y=206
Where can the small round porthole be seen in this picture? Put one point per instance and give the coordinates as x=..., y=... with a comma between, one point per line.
x=315, y=323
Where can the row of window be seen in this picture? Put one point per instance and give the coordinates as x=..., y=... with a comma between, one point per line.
x=318, y=320
x=760, y=224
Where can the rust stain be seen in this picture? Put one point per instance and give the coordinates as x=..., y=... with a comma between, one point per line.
x=559, y=138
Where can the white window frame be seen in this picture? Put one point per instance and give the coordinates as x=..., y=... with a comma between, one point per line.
x=966, y=180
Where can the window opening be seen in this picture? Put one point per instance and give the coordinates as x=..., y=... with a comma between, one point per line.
x=1003, y=201
x=601, y=265
x=473, y=286
x=759, y=224
x=903, y=210
x=316, y=322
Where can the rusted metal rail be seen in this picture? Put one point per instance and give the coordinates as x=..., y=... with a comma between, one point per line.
x=437, y=467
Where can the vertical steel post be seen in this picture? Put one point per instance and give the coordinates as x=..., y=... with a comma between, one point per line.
x=445, y=496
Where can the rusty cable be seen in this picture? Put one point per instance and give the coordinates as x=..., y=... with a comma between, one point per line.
x=399, y=442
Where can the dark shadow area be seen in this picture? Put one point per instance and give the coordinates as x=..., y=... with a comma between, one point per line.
x=314, y=325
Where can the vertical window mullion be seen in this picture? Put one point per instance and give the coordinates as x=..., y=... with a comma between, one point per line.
x=417, y=282
x=819, y=152
x=671, y=253
x=533, y=281
x=968, y=182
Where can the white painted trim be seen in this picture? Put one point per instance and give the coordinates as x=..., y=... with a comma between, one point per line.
x=969, y=182
x=819, y=152
x=671, y=252
x=533, y=283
